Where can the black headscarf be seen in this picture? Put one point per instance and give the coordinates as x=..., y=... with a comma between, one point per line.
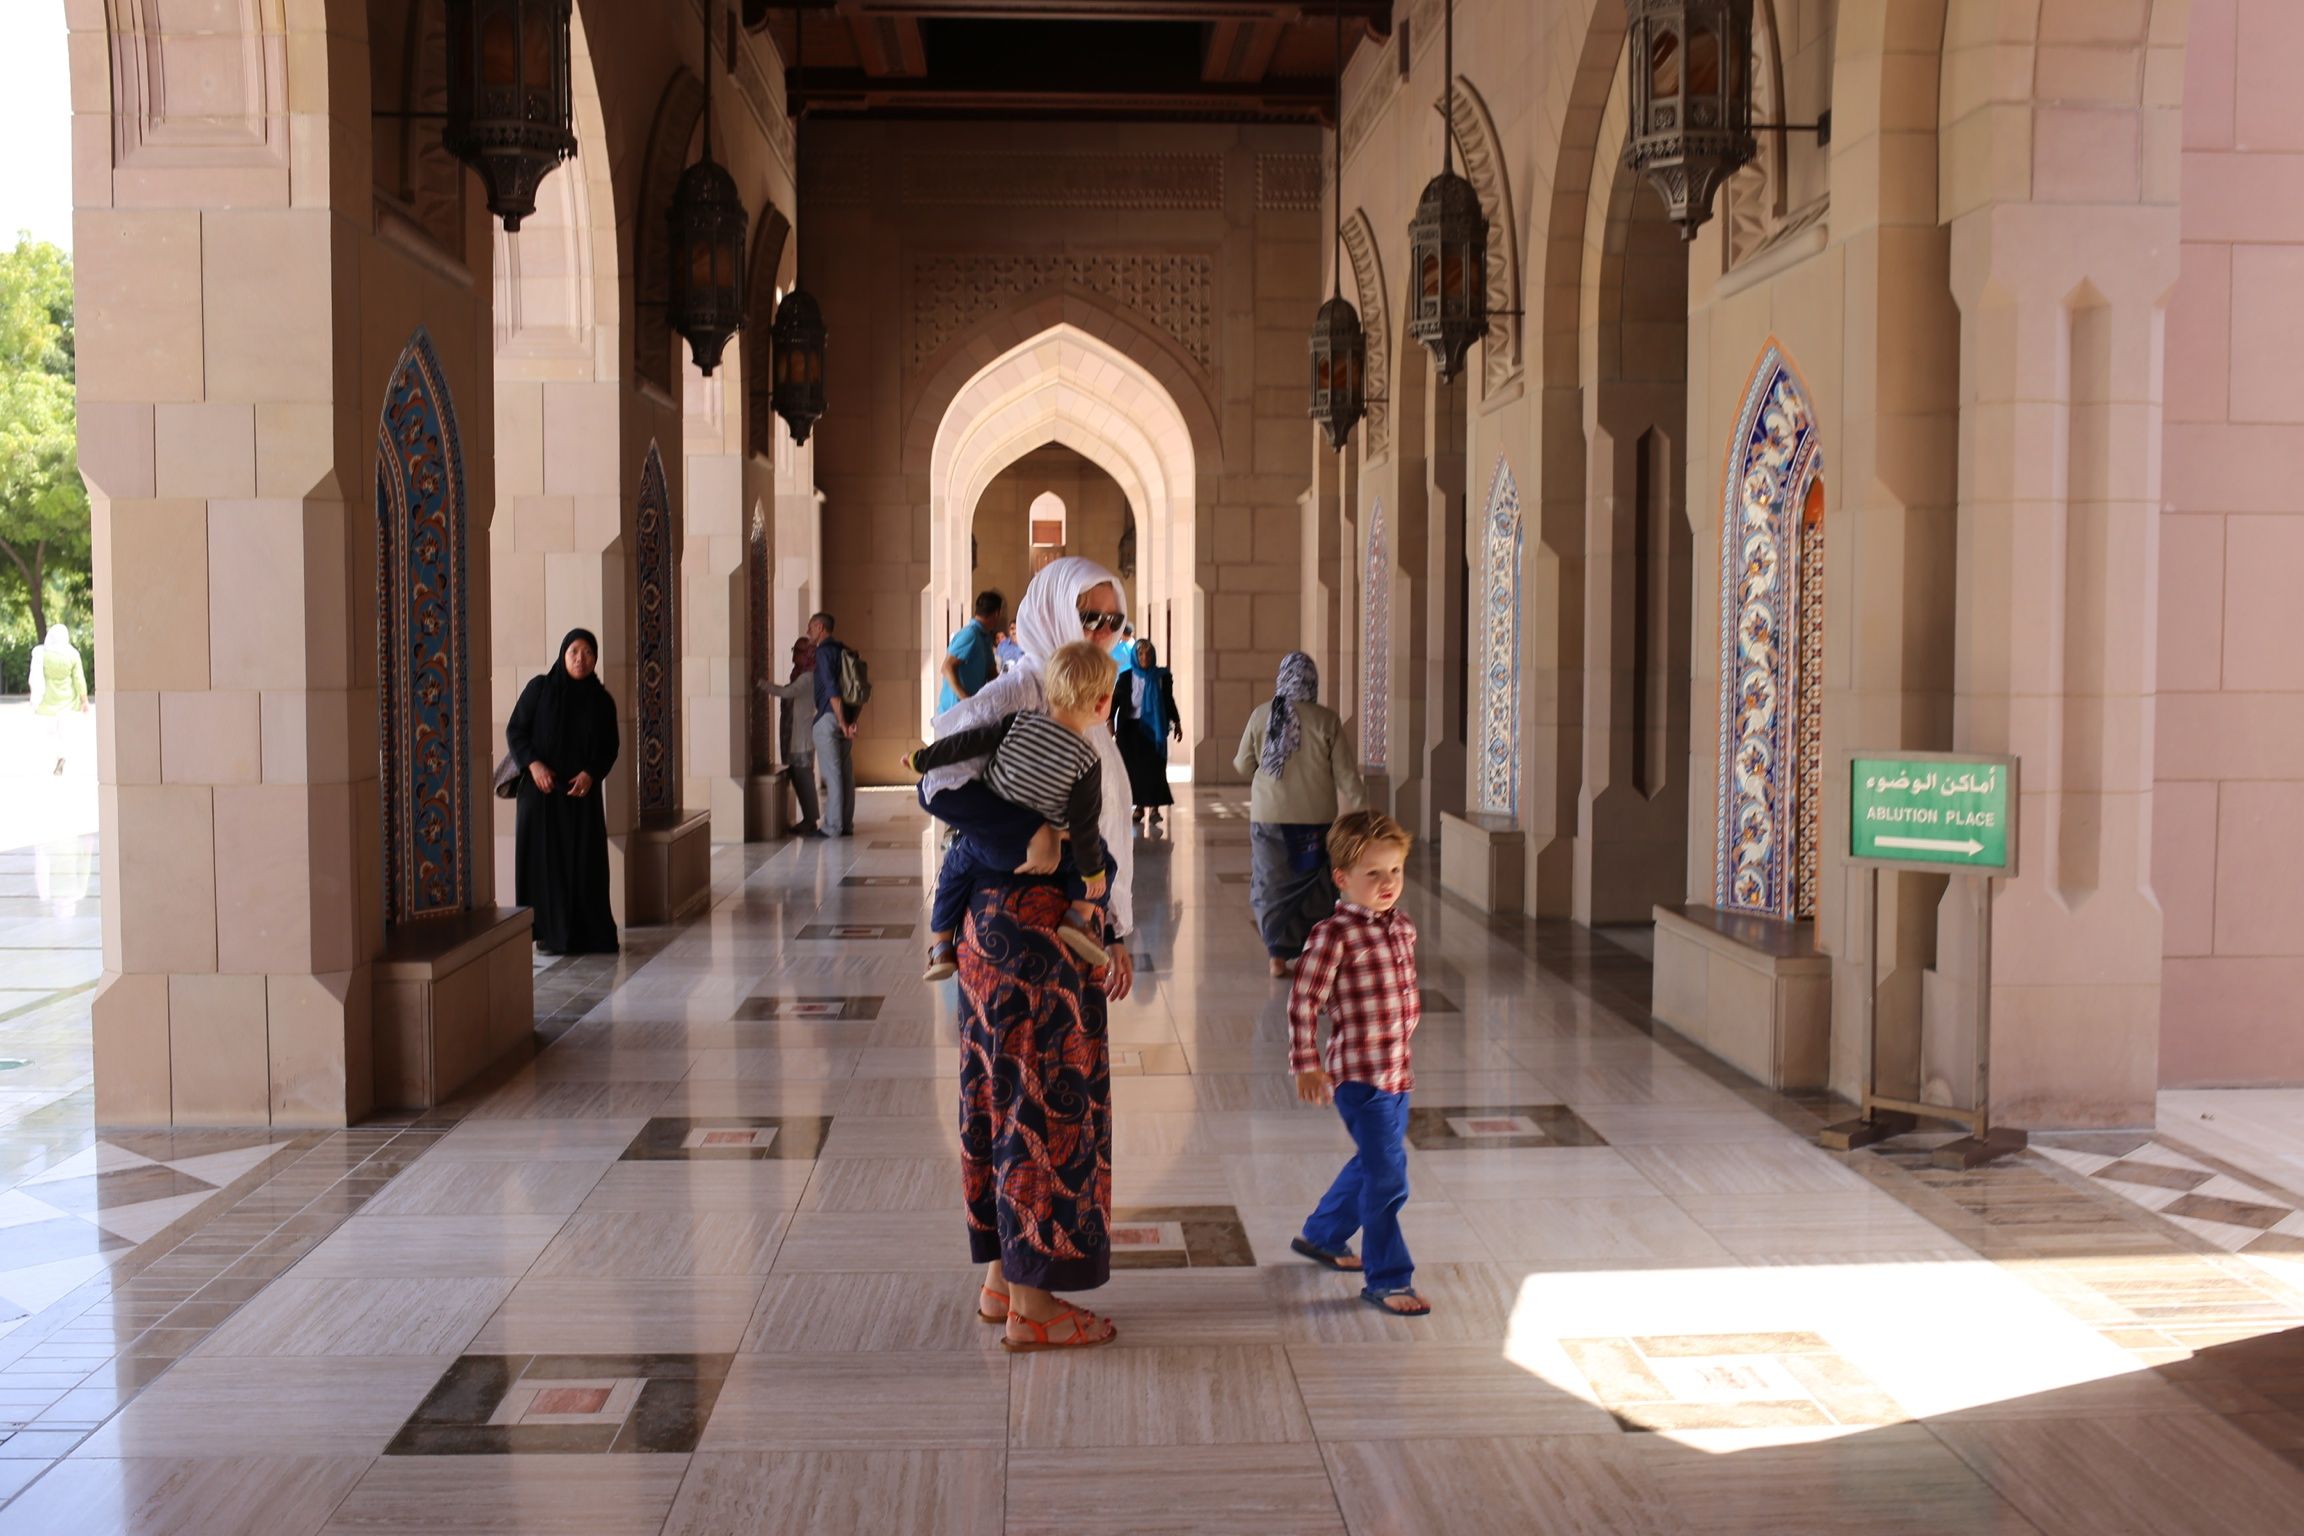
x=575, y=726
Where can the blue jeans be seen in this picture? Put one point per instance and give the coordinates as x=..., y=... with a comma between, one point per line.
x=990, y=836
x=1368, y=1194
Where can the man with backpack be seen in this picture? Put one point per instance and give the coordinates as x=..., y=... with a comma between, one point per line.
x=843, y=684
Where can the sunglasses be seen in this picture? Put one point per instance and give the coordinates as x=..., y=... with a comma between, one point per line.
x=1105, y=621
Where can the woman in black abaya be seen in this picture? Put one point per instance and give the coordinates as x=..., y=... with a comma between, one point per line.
x=563, y=735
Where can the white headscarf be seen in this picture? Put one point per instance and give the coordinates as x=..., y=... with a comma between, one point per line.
x=1047, y=619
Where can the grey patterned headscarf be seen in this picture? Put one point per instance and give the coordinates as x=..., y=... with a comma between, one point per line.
x=1299, y=683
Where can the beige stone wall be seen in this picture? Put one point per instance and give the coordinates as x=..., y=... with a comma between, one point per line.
x=2227, y=834
x=1188, y=258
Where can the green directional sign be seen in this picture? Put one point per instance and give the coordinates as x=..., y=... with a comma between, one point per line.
x=1929, y=811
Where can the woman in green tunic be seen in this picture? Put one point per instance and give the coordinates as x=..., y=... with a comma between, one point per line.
x=59, y=686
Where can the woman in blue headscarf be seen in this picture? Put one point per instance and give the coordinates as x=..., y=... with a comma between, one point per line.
x=1305, y=776
x=1144, y=719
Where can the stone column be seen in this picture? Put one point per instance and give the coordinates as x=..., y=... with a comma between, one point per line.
x=1320, y=575
x=2062, y=318
x=715, y=661
x=221, y=440
x=1632, y=807
x=1442, y=675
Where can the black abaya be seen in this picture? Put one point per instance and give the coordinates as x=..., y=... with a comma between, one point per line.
x=561, y=841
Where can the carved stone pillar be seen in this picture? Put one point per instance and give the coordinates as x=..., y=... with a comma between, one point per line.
x=2062, y=319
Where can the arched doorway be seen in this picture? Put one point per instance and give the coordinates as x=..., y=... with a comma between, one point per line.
x=1053, y=501
x=1073, y=391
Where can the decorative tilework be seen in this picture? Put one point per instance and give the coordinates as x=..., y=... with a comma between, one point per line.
x=1771, y=597
x=1497, y=1127
x=511, y=1405
x=1503, y=534
x=853, y=933
x=423, y=642
x=824, y=1010
x=724, y=1138
x=659, y=643
x=1376, y=632
x=1180, y=1237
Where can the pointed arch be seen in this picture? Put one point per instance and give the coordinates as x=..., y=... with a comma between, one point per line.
x=1477, y=141
x=1376, y=644
x=1496, y=749
x=1376, y=326
x=659, y=635
x=423, y=642
x=1771, y=627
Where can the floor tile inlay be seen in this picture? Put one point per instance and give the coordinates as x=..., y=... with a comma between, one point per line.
x=513, y=1405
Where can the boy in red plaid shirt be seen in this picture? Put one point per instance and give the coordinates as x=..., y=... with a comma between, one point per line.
x=1359, y=967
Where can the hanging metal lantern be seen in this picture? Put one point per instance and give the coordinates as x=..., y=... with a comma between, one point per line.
x=707, y=290
x=1448, y=248
x=708, y=222
x=1339, y=349
x=1339, y=371
x=796, y=352
x=1448, y=252
x=511, y=109
x=1691, y=98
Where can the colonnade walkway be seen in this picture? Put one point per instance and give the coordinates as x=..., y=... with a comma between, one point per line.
x=699, y=1267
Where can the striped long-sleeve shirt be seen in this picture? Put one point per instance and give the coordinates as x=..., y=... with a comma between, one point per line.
x=1359, y=967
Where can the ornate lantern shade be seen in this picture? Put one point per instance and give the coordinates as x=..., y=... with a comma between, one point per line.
x=707, y=297
x=1691, y=100
x=796, y=347
x=1448, y=252
x=1339, y=371
x=511, y=110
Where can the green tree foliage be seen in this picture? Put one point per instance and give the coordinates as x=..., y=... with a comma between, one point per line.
x=43, y=505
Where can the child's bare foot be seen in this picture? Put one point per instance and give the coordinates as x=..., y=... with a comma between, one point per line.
x=1279, y=966
x=943, y=961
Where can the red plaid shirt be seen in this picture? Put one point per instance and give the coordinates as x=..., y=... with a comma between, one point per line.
x=1360, y=968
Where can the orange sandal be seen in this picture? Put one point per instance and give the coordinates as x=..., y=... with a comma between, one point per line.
x=997, y=1298
x=1079, y=1317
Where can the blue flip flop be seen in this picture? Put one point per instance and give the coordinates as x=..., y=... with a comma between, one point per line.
x=1377, y=1299
x=1322, y=1256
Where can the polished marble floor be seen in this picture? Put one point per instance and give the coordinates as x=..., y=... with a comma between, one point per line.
x=697, y=1267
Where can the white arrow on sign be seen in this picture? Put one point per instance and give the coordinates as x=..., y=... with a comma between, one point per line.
x=1932, y=845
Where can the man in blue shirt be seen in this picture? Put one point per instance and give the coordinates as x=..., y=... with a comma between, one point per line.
x=835, y=734
x=971, y=660
x=1125, y=651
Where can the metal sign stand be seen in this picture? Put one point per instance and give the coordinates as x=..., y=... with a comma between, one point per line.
x=1884, y=1116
